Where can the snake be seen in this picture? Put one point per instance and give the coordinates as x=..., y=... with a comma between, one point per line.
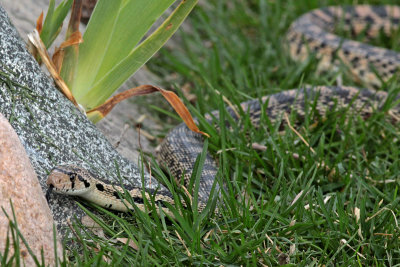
x=312, y=34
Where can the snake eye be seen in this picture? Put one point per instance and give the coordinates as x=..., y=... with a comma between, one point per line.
x=72, y=176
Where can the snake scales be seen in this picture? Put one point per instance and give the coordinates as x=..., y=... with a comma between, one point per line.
x=310, y=34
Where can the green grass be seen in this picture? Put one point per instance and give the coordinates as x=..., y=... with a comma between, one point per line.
x=274, y=205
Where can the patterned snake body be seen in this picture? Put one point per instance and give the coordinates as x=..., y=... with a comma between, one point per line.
x=310, y=34
x=75, y=181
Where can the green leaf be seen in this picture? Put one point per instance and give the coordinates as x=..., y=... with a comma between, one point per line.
x=71, y=53
x=54, y=20
x=92, y=95
x=113, y=32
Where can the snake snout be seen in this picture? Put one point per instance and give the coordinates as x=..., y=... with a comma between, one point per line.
x=68, y=180
x=58, y=182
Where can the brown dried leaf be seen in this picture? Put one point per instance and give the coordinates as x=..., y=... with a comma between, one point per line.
x=57, y=59
x=39, y=23
x=182, y=111
x=34, y=38
x=102, y=110
x=58, y=56
x=74, y=38
x=131, y=243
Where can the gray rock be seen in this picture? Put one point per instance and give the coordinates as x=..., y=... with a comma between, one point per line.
x=51, y=129
x=24, y=13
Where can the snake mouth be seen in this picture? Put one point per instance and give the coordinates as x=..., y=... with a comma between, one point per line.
x=52, y=182
x=49, y=191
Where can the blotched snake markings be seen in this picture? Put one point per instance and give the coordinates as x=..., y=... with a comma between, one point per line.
x=310, y=34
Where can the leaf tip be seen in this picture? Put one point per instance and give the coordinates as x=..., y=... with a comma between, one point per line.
x=39, y=23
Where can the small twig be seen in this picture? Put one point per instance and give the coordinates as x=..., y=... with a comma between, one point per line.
x=226, y=100
x=391, y=114
x=139, y=143
x=384, y=234
x=149, y=169
x=146, y=134
x=343, y=241
x=187, y=193
x=225, y=150
x=272, y=242
x=126, y=127
x=297, y=197
x=298, y=134
x=387, y=181
x=208, y=234
x=74, y=232
x=138, y=123
x=183, y=243
x=380, y=211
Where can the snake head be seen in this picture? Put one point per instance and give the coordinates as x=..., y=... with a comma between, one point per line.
x=69, y=180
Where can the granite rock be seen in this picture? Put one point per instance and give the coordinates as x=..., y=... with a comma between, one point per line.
x=24, y=13
x=51, y=129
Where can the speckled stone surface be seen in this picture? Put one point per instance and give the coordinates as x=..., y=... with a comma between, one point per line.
x=18, y=183
x=51, y=129
x=23, y=15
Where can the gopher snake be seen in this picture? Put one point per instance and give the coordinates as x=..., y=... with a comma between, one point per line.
x=310, y=34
